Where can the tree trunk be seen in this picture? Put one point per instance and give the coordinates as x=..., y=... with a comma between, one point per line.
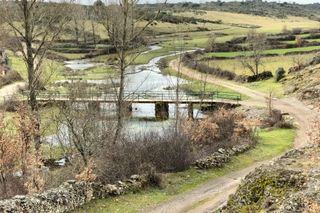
x=33, y=84
x=257, y=68
x=122, y=57
x=93, y=33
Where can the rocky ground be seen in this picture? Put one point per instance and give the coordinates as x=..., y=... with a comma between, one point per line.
x=289, y=184
x=305, y=84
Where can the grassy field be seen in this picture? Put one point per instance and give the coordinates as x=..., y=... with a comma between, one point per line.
x=271, y=144
x=309, y=40
x=269, y=63
x=267, y=86
x=266, y=24
x=51, y=70
x=47, y=114
x=270, y=51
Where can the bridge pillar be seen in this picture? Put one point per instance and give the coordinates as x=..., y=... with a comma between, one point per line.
x=190, y=110
x=128, y=106
x=162, y=110
x=95, y=106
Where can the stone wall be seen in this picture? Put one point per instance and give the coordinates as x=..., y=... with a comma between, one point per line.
x=68, y=196
x=72, y=194
x=221, y=157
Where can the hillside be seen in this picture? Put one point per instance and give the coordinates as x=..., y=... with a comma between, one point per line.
x=305, y=84
x=290, y=184
x=261, y=8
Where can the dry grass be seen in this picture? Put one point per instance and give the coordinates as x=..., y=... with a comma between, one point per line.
x=267, y=24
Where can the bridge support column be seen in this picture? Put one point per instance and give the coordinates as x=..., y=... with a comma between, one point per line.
x=128, y=106
x=190, y=110
x=94, y=106
x=162, y=110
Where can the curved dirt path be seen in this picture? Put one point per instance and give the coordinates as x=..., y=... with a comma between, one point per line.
x=215, y=193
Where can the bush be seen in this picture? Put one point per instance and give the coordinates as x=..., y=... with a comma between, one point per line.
x=164, y=153
x=10, y=77
x=296, y=31
x=276, y=120
x=163, y=63
x=260, y=77
x=222, y=129
x=280, y=73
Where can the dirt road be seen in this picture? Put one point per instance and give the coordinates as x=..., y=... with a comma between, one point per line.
x=215, y=193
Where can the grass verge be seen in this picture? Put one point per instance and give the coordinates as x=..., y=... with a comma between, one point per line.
x=271, y=144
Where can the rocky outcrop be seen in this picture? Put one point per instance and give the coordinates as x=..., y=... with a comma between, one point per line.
x=306, y=85
x=221, y=157
x=290, y=184
x=68, y=196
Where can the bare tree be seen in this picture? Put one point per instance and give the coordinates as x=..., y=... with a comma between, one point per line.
x=86, y=126
x=299, y=61
x=211, y=45
x=256, y=44
x=35, y=25
x=125, y=31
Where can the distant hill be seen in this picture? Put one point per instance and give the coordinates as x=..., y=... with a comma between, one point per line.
x=256, y=7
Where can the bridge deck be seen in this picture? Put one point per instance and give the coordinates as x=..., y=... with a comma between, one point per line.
x=145, y=101
x=144, y=97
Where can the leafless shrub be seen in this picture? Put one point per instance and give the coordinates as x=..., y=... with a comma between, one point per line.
x=221, y=129
x=136, y=155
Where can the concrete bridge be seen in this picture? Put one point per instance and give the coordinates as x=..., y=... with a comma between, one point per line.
x=160, y=99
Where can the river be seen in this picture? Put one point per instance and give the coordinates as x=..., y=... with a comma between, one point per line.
x=143, y=78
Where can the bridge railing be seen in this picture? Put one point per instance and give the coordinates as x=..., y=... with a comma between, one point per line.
x=170, y=95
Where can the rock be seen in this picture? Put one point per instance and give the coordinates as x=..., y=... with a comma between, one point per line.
x=112, y=189
x=221, y=157
x=283, y=186
x=290, y=89
x=221, y=150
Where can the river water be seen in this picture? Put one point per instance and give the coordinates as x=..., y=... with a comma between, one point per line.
x=139, y=78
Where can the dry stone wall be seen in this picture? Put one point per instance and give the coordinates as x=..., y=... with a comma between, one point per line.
x=221, y=157
x=70, y=195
